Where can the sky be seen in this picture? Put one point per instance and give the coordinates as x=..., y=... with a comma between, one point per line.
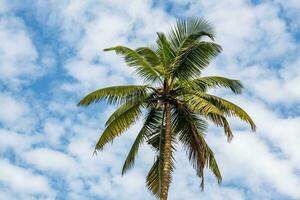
x=51, y=56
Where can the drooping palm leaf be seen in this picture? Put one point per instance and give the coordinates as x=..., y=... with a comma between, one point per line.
x=211, y=162
x=185, y=126
x=220, y=120
x=228, y=108
x=211, y=112
x=152, y=122
x=153, y=178
x=119, y=125
x=190, y=129
x=201, y=106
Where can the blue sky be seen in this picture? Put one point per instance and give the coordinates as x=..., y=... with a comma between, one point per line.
x=51, y=55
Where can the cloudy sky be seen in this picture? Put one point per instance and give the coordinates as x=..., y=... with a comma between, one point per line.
x=51, y=56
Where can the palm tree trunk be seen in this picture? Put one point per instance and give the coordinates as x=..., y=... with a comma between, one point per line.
x=167, y=156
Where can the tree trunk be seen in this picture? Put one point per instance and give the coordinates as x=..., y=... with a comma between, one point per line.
x=167, y=156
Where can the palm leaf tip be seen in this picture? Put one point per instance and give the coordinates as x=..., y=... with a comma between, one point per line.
x=82, y=102
x=109, y=49
x=253, y=126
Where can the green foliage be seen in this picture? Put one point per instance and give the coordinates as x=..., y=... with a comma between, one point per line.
x=173, y=70
x=153, y=179
x=133, y=58
x=193, y=58
x=150, y=56
x=204, y=83
x=119, y=125
x=151, y=124
x=228, y=108
x=190, y=129
x=187, y=29
x=164, y=51
x=115, y=94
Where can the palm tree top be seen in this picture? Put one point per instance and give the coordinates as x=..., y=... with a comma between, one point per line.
x=175, y=101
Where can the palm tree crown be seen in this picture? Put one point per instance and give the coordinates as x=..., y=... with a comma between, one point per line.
x=175, y=101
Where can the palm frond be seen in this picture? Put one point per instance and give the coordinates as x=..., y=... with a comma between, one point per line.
x=190, y=129
x=119, y=125
x=152, y=121
x=211, y=162
x=192, y=28
x=139, y=62
x=115, y=94
x=228, y=108
x=204, y=83
x=150, y=55
x=220, y=120
x=154, y=178
x=164, y=51
x=185, y=126
x=210, y=111
x=201, y=106
x=191, y=60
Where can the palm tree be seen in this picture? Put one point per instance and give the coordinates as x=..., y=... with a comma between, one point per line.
x=174, y=99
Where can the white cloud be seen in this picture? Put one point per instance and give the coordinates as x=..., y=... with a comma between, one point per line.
x=250, y=33
x=22, y=181
x=14, y=113
x=281, y=131
x=20, y=62
x=265, y=167
x=131, y=24
x=54, y=130
x=290, y=9
x=16, y=141
x=55, y=161
x=18, y=54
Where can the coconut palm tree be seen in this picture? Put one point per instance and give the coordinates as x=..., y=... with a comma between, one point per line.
x=174, y=100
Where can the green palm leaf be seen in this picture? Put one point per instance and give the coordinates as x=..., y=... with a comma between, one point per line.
x=153, y=179
x=210, y=111
x=152, y=121
x=221, y=121
x=119, y=125
x=164, y=51
x=115, y=94
x=139, y=62
x=150, y=55
x=204, y=83
x=228, y=108
x=201, y=106
x=190, y=129
x=190, y=28
x=191, y=60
